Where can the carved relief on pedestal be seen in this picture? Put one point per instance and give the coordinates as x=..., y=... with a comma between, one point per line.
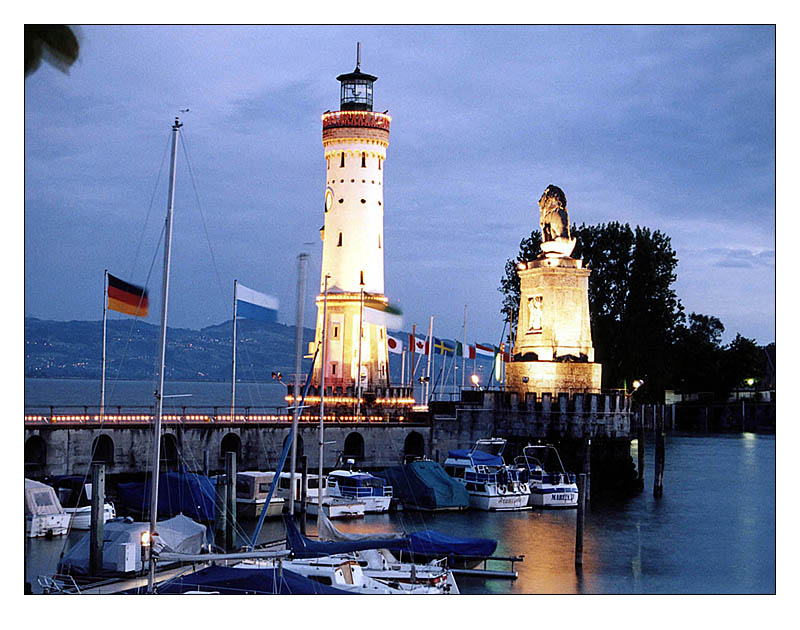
x=535, y=314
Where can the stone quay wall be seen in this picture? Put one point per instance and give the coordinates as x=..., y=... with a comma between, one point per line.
x=127, y=450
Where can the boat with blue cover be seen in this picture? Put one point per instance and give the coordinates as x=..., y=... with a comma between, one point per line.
x=222, y=580
x=551, y=485
x=179, y=492
x=490, y=483
x=424, y=485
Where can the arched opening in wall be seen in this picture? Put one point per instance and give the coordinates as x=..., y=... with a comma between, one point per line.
x=414, y=446
x=103, y=450
x=353, y=446
x=170, y=458
x=231, y=443
x=299, y=450
x=35, y=455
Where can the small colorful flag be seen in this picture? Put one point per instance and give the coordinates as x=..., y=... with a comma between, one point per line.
x=486, y=349
x=419, y=345
x=394, y=344
x=446, y=347
x=383, y=315
x=127, y=298
x=468, y=351
x=254, y=305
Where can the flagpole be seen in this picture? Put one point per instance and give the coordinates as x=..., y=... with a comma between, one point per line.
x=103, y=368
x=430, y=357
x=463, y=356
x=403, y=369
x=159, y=394
x=360, y=343
x=301, y=285
x=233, y=378
x=413, y=367
x=322, y=391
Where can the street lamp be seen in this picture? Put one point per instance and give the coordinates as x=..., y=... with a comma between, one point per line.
x=475, y=380
x=637, y=384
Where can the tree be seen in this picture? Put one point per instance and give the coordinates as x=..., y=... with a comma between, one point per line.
x=55, y=43
x=741, y=359
x=634, y=311
x=697, y=354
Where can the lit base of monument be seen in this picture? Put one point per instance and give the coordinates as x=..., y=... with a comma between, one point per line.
x=541, y=377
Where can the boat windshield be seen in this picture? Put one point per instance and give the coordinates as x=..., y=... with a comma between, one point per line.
x=545, y=456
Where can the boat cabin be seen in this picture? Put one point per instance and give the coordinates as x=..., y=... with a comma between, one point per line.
x=357, y=486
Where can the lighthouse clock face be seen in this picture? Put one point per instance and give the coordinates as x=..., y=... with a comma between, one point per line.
x=328, y=199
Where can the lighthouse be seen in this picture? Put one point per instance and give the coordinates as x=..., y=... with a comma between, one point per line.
x=354, y=139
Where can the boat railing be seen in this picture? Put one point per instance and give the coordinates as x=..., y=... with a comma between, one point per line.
x=58, y=584
x=365, y=491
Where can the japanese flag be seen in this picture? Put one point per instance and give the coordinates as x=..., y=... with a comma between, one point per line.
x=394, y=344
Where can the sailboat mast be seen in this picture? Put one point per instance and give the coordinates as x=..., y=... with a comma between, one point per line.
x=322, y=391
x=233, y=361
x=301, y=296
x=162, y=352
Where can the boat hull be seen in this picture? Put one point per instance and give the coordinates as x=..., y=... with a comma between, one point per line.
x=253, y=509
x=338, y=508
x=46, y=525
x=499, y=502
x=547, y=496
x=81, y=518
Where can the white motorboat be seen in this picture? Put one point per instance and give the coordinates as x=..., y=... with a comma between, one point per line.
x=252, y=488
x=44, y=515
x=551, y=485
x=334, y=507
x=81, y=517
x=360, y=486
x=491, y=484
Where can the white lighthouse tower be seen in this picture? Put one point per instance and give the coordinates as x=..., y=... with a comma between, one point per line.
x=355, y=139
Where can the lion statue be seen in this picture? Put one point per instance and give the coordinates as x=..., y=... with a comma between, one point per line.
x=553, y=217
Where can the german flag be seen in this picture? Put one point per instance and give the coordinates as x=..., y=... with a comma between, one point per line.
x=126, y=298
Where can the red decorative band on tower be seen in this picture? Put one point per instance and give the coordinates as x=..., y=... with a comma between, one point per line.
x=331, y=120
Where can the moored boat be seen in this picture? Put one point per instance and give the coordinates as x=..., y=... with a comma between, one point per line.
x=75, y=496
x=334, y=507
x=551, y=485
x=360, y=486
x=252, y=488
x=491, y=484
x=44, y=515
x=424, y=485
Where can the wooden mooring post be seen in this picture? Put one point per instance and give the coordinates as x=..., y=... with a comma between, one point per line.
x=230, y=496
x=658, y=475
x=304, y=492
x=579, y=521
x=97, y=518
x=587, y=468
x=640, y=447
x=221, y=508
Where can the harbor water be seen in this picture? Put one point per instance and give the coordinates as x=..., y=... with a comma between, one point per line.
x=712, y=532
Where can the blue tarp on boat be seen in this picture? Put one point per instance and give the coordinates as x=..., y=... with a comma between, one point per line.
x=427, y=542
x=303, y=547
x=424, y=484
x=178, y=493
x=231, y=581
x=479, y=458
x=432, y=543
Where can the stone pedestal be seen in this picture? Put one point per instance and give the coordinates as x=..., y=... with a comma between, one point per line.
x=553, y=350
